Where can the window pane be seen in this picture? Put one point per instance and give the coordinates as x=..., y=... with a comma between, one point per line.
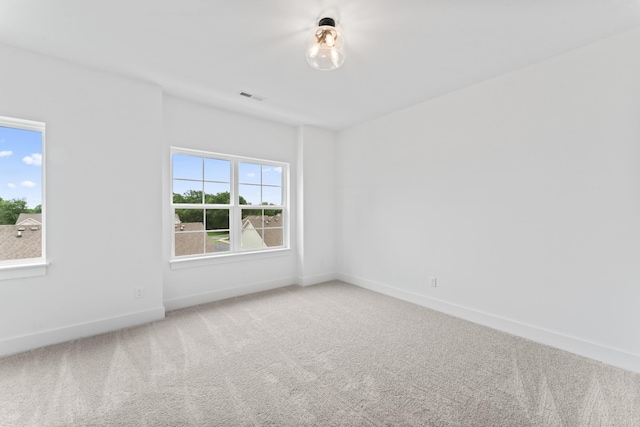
x=189, y=231
x=187, y=191
x=187, y=167
x=251, y=212
x=250, y=194
x=218, y=245
x=273, y=224
x=251, y=240
x=189, y=220
x=20, y=193
x=21, y=241
x=272, y=195
x=251, y=229
x=218, y=237
x=20, y=172
x=217, y=219
x=189, y=243
x=273, y=216
x=262, y=228
x=217, y=170
x=271, y=175
x=216, y=193
x=249, y=173
x=253, y=215
x=273, y=237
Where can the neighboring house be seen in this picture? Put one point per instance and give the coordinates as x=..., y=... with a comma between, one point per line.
x=29, y=219
x=22, y=240
x=190, y=236
x=257, y=233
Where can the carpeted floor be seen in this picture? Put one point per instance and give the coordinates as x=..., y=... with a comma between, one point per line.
x=330, y=354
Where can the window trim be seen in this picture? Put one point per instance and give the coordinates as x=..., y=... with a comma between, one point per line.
x=235, y=210
x=29, y=267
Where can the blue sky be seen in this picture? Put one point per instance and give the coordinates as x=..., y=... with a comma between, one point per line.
x=21, y=165
x=258, y=183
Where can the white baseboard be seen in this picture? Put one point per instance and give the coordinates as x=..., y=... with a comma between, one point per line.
x=220, y=294
x=314, y=280
x=602, y=353
x=55, y=336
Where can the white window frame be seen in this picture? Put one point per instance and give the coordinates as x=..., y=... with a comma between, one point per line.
x=235, y=252
x=29, y=267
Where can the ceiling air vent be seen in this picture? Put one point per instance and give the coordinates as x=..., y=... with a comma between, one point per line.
x=250, y=95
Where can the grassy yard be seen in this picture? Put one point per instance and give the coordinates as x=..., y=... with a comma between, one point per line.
x=218, y=235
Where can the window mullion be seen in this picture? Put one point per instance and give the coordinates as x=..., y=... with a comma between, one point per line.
x=235, y=232
x=203, y=199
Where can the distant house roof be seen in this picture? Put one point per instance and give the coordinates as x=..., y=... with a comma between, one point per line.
x=29, y=245
x=176, y=219
x=269, y=229
x=191, y=243
x=29, y=219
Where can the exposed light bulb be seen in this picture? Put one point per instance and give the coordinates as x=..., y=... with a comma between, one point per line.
x=325, y=46
x=329, y=39
x=335, y=58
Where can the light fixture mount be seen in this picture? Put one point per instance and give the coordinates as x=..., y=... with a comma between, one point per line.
x=327, y=21
x=325, y=46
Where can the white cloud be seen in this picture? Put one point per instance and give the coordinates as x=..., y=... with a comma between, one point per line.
x=5, y=153
x=251, y=175
x=27, y=184
x=11, y=185
x=34, y=159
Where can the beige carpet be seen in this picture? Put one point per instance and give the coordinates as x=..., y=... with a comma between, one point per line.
x=331, y=354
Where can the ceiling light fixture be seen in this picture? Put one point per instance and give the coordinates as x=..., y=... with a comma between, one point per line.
x=325, y=46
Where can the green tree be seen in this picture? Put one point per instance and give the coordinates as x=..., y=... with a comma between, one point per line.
x=270, y=212
x=11, y=209
x=220, y=198
x=189, y=215
x=216, y=218
x=191, y=196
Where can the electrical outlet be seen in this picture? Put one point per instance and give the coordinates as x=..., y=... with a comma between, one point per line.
x=433, y=281
x=138, y=292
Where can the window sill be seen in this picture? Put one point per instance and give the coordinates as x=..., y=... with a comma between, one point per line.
x=177, y=264
x=20, y=271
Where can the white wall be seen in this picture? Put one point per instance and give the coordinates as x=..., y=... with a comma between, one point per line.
x=520, y=194
x=103, y=195
x=316, y=205
x=195, y=126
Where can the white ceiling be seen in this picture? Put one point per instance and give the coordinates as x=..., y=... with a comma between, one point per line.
x=400, y=52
